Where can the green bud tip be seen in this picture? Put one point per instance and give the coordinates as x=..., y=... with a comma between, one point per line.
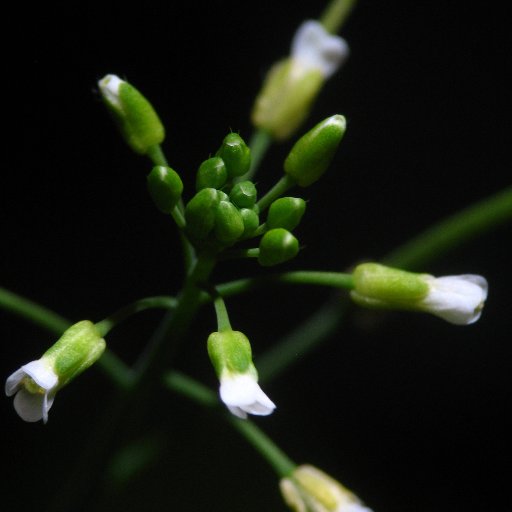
x=165, y=187
x=286, y=212
x=212, y=173
x=236, y=155
x=277, y=246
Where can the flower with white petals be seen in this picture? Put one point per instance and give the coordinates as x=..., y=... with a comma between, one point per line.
x=35, y=385
x=310, y=490
x=242, y=395
x=314, y=48
x=456, y=299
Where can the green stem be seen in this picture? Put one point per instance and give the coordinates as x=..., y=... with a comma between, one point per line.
x=240, y=253
x=122, y=314
x=223, y=323
x=39, y=315
x=450, y=233
x=285, y=183
x=179, y=217
x=335, y=14
x=199, y=393
x=157, y=156
x=259, y=144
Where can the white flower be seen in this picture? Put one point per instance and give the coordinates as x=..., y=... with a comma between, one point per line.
x=35, y=385
x=242, y=394
x=456, y=299
x=109, y=86
x=314, y=48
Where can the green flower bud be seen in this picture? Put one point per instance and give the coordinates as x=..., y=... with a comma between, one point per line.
x=137, y=120
x=229, y=224
x=251, y=220
x=277, y=246
x=229, y=351
x=313, y=152
x=200, y=214
x=165, y=187
x=236, y=155
x=243, y=194
x=36, y=383
x=286, y=213
x=211, y=174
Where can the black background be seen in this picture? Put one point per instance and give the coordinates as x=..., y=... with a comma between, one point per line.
x=408, y=411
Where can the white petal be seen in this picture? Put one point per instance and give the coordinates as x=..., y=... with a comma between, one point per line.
x=109, y=86
x=29, y=406
x=12, y=384
x=42, y=373
x=353, y=507
x=242, y=394
x=236, y=411
x=456, y=299
x=315, y=48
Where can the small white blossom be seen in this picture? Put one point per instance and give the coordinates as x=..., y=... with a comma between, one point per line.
x=109, y=86
x=242, y=395
x=456, y=299
x=314, y=48
x=35, y=385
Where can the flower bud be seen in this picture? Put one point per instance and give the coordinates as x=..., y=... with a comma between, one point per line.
x=286, y=212
x=229, y=224
x=277, y=246
x=211, y=174
x=251, y=220
x=243, y=194
x=292, y=84
x=36, y=383
x=231, y=356
x=309, y=489
x=200, y=213
x=456, y=299
x=236, y=155
x=137, y=120
x=165, y=187
x=314, y=151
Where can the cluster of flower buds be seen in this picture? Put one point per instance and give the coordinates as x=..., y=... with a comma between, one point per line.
x=308, y=489
x=36, y=383
x=231, y=355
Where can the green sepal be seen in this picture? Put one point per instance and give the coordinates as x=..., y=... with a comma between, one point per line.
x=229, y=351
x=137, y=120
x=277, y=246
x=378, y=286
x=236, y=155
x=229, y=224
x=79, y=347
x=212, y=173
x=251, y=220
x=200, y=214
x=286, y=212
x=314, y=151
x=244, y=194
x=165, y=187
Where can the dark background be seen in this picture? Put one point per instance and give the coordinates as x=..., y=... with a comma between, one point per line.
x=408, y=411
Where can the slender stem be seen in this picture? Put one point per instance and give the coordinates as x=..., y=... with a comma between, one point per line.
x=199, y=393
x=157, y=156
x=179, y=217
x=276, y=191
x=301, y=277
x=39, y=315
x=259, y=144
x=240, y=253
x=223, y=323
x=450, y=233
x=335, y=14
x=162, y=302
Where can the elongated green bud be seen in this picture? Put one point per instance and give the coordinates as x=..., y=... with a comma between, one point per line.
x=251, y=220
x=211, y=174
x=236, y=155
x=277, y=246
x=313, y=152
x=229, y=224
x=200, y=213
x=137, y=120
x=165, y=187
x=286, y=212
